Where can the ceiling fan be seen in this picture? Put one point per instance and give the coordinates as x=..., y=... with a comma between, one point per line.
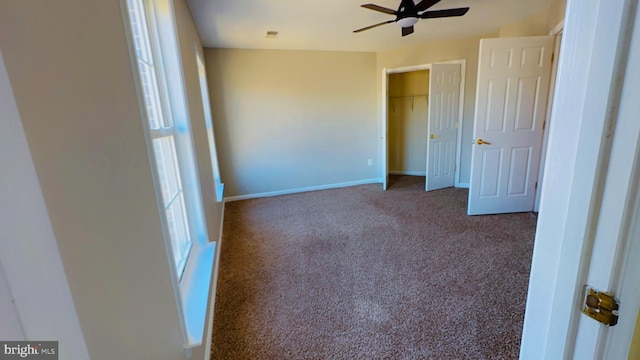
x=409, y=13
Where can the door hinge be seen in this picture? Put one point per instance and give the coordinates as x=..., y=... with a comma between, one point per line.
x=544, y=124
x=454, y=167
x=457, y=125
x=601, y=306
x=535, y=187
x=553, y=56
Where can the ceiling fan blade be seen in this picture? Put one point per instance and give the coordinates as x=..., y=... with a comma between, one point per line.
x=407, y=30
x=443, y=13
x=372, y=26
x=425, y=4
x=379, y=8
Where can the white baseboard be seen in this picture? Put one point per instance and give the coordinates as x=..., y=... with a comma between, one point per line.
x=463, y=185
x=410, y=173
x=303, y=189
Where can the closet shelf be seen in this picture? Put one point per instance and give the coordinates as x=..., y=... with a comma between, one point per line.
x=407, y=96
x=412, y=97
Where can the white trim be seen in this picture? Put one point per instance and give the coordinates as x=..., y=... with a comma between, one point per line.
x=188, y=161
x=214, y=288
x=219, y=187
x=619, y=223
x=220, y=232
x=208, y=120
x=615, y=342
x=410, y=173
x=557, y=40
x=557, y=29
x=384, y=125
x=194, y=291
x=603, y=90
x=408, y=68
x=173, y=273
x=196, y=279
x=463, y=185
x=384, y=132
x=303, y=189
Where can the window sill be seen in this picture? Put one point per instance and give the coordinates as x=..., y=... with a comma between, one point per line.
x=195, y=287
x=219, y=191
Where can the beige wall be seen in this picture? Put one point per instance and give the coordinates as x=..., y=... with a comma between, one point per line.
x=466, y=48
x=539, y=24
x=293, y=119
x=72, y=76
x=555, y=13
x=530, y=26
x=408, y=112
x=410, y=83
x=254, y=90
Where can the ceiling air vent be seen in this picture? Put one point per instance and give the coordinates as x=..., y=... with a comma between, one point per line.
x=272, y=34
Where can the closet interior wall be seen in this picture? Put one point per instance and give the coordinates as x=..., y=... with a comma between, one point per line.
x=408, y=116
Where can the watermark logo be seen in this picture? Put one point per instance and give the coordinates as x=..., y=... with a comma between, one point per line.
x=31, y=350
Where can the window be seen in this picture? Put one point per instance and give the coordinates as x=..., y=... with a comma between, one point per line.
x=156, y=56
x=163, y=134
x=202, y=76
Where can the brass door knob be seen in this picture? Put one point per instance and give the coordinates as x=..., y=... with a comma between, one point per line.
x=482, y=142
x=433, y=136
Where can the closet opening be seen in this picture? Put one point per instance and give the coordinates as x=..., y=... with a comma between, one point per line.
x=408, y=115
x=422, y=112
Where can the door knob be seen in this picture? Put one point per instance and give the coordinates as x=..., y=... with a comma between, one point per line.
x=433, y=136
x=482, y=142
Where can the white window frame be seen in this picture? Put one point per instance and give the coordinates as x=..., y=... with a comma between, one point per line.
x=162, y=131
x=190, y=270
x=208, y=119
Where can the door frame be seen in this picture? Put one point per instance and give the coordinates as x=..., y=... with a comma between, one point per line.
x=556, y=32
x=384, y=126
x=591, y=71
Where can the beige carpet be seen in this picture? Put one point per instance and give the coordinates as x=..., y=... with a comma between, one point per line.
x=358, y=273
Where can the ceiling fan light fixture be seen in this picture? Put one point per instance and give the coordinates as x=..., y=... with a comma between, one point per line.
x=407, y=22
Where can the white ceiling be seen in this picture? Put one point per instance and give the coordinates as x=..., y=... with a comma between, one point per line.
x=329, y=24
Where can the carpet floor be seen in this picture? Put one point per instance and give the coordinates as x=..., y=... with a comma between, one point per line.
x=360, y=273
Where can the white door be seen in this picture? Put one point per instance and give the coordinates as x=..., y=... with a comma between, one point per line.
x=511, y=100
x=444, y=94
x=615, y=259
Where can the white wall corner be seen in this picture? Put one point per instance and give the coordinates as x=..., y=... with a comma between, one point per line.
x=30, y=258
